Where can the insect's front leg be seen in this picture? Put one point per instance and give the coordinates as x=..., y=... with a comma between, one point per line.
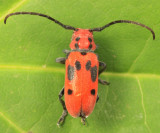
x=66, y=51
x=65, y=112
x=103, y=67
x=61, y=60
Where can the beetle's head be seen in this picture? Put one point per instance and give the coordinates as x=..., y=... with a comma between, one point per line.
x=82, y=39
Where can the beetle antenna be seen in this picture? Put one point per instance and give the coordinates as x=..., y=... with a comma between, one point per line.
x=42, y=15
x=123, y=21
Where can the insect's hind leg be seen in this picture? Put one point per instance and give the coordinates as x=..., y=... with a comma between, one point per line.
x=103, y=65
x=83, y=118
x=65, y=112
x=97, y=98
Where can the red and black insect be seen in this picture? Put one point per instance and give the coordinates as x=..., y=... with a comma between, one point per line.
x=82, y=69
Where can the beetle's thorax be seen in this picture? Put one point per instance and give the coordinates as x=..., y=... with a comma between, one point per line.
x=82, y=39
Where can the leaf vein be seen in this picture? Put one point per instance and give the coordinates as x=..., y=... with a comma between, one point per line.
x=39, y=118
x=62, y=70
x=142, y=102
x=12, y=123
x=134, y=61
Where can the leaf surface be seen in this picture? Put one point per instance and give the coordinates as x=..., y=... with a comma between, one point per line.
x=31, y=80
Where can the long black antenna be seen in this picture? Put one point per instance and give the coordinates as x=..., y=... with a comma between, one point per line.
x=123, y=21
x=42, y=15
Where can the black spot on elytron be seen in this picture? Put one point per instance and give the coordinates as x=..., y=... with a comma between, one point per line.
x=93, y=91
x=70, y=72
x=69, y=91
x=94, y=73
x=78, y=65
x=90, y=40
x=88, y=65
x=83, y=53
x=77, y=39
x=90, y=46
x=76, y=45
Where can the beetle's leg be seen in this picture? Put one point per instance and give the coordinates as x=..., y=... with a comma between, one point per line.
x=61, y=60
x=97, y=98
x=65, y=112
x=103, y=65
x=66, y=51
x=83, y=118
x=103, y=82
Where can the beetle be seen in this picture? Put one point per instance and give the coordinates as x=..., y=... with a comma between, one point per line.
x=82, y=69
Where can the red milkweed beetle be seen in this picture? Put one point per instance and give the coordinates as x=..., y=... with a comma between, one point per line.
x=82, y=69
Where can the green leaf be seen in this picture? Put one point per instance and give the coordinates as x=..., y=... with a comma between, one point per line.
x=31, y=80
